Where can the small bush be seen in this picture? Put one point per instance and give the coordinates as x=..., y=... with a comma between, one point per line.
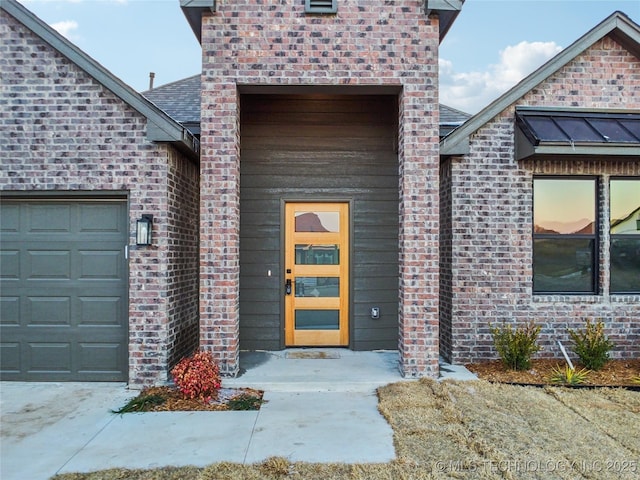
x=591, y=345
x=568, y=375
x=197, y=376
x=516, y=346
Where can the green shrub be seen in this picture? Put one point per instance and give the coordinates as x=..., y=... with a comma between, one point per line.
x=568, y=375
x=591, y=345
x=516, y=346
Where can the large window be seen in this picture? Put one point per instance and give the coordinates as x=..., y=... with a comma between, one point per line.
x=624, y=208
x=565, y=235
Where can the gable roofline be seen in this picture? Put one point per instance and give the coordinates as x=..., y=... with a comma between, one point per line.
x=618, y=25
x=160, y=126
x=446, y=10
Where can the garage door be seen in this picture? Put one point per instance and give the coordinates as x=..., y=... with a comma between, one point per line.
x=63, y=288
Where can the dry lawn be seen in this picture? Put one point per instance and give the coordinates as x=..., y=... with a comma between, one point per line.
x=470, y=430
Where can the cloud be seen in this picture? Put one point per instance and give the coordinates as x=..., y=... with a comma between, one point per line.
x=66, y=28
x=471, y=91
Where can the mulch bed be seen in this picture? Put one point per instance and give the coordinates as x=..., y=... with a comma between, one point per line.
x=615, y=373
x=226, y=399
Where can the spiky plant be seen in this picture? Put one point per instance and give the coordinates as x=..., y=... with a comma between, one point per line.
x=568, y=375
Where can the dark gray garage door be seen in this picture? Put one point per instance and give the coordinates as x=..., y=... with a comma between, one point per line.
x=63, y=290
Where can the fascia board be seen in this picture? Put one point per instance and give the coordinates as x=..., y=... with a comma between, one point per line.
x=193, y=11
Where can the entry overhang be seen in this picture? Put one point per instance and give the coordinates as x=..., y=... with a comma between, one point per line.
x=569, y=132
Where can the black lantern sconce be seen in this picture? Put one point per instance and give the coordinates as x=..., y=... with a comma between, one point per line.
x=144, y=226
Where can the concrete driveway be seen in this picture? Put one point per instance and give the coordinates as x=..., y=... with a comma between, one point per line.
x=311, y=414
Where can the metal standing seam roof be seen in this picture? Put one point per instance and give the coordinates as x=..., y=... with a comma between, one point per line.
x=579, y=127
x=565, y=132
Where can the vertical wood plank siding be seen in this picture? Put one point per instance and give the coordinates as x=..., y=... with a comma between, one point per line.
x=319, y=147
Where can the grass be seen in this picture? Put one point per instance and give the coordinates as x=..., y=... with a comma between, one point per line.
x=468, y=430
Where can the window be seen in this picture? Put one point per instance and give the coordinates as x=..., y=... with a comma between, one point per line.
x=624, y=214
x=565, y=235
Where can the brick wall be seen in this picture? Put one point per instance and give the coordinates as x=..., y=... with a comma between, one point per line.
x=63, y=131
x=446, y=251
x=491, y=219
x=368, y=43
x=182, y=258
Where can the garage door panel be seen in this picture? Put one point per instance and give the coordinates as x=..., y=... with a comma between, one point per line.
x=94, y=218
x=10, y=214
x=96, y=311
x=49, y=218
x=48, y=310
x=48, y=264
x=100, y=357
x=49, y=357
x=100, y=264
x=64, y=304
x=10, y=264
x=9, y=310
x=10, y=357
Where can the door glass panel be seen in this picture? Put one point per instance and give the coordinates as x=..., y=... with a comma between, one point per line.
x=317, y=254
x=317, y=221
x=317, y=319
x=318, y=287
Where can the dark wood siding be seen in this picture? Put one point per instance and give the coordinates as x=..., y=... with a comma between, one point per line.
x=313, y=148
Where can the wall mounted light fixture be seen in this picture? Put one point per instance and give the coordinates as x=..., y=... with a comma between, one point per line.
x=144, y=227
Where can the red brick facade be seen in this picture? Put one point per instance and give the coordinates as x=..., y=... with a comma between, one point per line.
x=465, y=222
x=64, y=132
x=365, y=44
x=487, y=231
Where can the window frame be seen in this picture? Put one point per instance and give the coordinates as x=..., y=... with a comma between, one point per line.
x=595, y=236
x=613, y=236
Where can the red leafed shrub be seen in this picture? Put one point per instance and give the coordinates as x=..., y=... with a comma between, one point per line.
x=197, y=376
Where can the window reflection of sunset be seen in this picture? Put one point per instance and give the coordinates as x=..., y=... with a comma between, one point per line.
x=329, y=220
x=625, y=198
x=557, y=202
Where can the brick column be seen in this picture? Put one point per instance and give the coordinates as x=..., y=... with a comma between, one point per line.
x=419, y=210
x=220, y=226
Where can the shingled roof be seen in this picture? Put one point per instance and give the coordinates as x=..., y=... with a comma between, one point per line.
x=181, y=101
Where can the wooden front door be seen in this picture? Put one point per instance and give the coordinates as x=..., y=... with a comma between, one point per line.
x=316, y=274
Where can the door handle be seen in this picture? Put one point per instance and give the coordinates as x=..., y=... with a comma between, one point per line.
x=287, y=287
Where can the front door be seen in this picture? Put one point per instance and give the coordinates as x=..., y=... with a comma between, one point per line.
x=316, y=274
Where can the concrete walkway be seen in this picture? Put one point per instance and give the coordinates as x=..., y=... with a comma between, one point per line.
x=317, y=410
